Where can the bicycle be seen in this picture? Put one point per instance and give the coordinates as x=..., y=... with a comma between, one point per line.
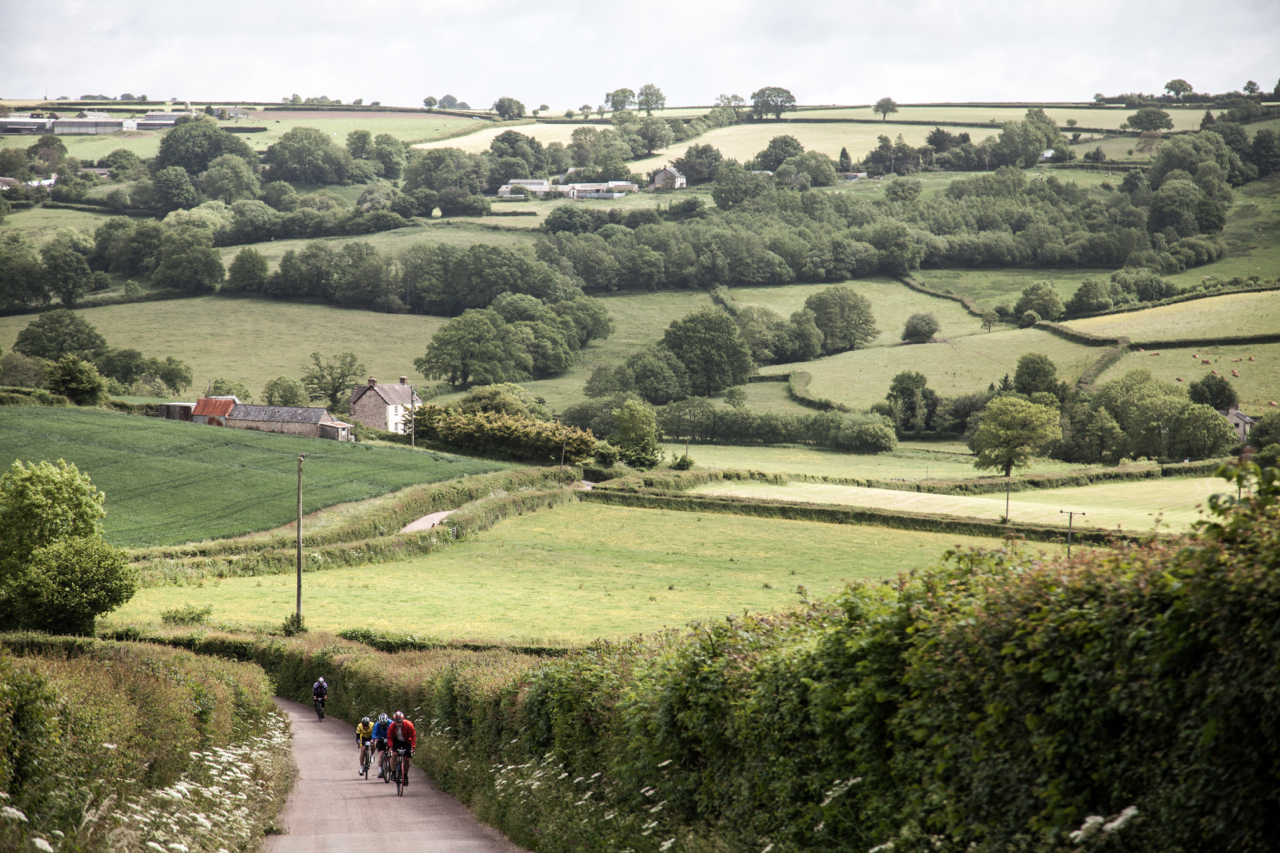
x=368, y=759
x=319, y=708
x=402, y=771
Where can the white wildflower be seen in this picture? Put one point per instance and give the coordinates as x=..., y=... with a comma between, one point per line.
x=108, y=746
x=1124, y=817
x=658, y=807
x=1087, y=829
x=10, y=813
x=887, y=847
x=155, y=846
x=666, y=845
x=179, y=848
x=767, y=849
x=41, y=844
x=665, y=763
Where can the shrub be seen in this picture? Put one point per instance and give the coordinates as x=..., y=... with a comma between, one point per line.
x=78, y=381
x=511, y=436
x=188, y=614
x=920, y=328
x=1028, y=319
x=69, y=583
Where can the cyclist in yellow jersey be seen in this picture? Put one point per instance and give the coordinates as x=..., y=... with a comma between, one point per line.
x=364, y=737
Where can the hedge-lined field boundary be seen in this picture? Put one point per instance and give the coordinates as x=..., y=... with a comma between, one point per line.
x=798, y=390
x=836, y=514
x=682, y=481
x=370, y=536
x=1189, y=296
x=969, y=304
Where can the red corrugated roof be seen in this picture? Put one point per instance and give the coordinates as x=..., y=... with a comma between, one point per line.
x=214, y=407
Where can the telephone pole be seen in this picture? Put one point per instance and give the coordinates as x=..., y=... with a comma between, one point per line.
x=301, y=456
x=1071, y=514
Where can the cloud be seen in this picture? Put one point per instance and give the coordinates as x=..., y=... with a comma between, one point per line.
x=567, y=52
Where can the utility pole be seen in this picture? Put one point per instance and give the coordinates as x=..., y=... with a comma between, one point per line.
x=413, y=421
x=563, y=445
x=301, y=456
x=1071, y=514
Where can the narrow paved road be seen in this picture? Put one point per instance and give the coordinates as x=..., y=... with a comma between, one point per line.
x=332, y=810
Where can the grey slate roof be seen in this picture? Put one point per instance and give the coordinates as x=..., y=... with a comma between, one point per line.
x=392, y=395
x=280, y=414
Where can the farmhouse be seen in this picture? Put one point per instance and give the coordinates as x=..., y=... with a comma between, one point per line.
x=603, y=189
x=384, y=406
x=668, y=178
x=1240, y=422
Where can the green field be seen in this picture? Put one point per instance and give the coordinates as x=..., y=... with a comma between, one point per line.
x=407, y=127
x=1133, y=506
x=911, y=461
x=891, y=304
x=957, y=366
x=168, y=482
x=1184, y=118
x=1258, y=383
x=40, y=225
x=1252, y=235
x=1216, y=316
x=255, y=340
x=576, y=573
x=989, y=288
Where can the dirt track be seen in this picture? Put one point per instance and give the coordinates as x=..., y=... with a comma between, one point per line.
x=332, y=810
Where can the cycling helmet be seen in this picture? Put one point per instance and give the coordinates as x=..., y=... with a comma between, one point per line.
x=322, y=679
x=382, y=718
x=365, y=721
x=399, y=716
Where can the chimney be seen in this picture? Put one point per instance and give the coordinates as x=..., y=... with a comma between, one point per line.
x=372, y=382
x=404, y=380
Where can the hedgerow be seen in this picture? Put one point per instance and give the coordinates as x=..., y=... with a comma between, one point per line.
x=109, y=746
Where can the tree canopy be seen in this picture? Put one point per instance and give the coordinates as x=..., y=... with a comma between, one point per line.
x=1011, y=432
x=710, y=347
x=60, y=332
x=331, y=380
x=885, y=106
x=772, y=100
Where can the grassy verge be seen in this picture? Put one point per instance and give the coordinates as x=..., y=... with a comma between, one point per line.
x=123, y=747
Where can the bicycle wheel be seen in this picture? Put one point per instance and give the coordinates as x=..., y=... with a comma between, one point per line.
x=400, y=772
x=367, y=761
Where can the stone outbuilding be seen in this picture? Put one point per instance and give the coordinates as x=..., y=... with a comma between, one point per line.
x=668, y=178
x=384, y=407
x=308, y=421
x=213, y=411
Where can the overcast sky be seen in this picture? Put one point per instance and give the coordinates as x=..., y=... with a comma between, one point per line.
x=568, y=52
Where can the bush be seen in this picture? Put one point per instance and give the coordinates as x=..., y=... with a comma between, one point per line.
x=78, y=381
x=1028, y=319
x=920, y=328
x=684, y=463
x=188, y=614
x=510, y=436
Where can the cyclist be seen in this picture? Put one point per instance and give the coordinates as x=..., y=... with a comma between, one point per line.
x=364, y=735
x=403, y=739
x=380, y=742
x=319, y=691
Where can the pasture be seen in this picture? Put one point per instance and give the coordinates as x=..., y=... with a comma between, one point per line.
x=911, y=461
x=953, y=366
x=169, y=482
x=576, y=573
x=989, y=288
x=1252, y=234
x=891, y=304
x=994, y=115
x=407, y=127
x=1134, y=506
x=253, y=340
x=1212, y=317
x=1258, y=383
x=40, y=225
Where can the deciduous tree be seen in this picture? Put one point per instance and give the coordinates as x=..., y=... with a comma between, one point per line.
x=885, y=106
x=60, y=332
x=920, y=328
x=229, y=178
x=1011, y=432
x=1151, y=118
x=650, y=98
x=1214, y=391
x=77, y=380
x=772, y=100
x=636, y=435
x=708, y=344
x=332, y=379
x=508, y=108
x=620, y=99
x=283, y=391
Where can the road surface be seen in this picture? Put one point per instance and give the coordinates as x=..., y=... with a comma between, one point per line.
x=332, y=810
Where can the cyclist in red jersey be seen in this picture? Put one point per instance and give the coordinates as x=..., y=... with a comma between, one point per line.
x=401, y=736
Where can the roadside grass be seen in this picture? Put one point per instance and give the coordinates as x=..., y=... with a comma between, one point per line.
x=169, y=482
x=891, y=305
x=573, y=574
x=989, y=288
x=1258, y=383
x=954, y=366
x=254, y=340
x=1132, y=506
x=1212, y=317
x=1252, y=234
x=911, y=461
